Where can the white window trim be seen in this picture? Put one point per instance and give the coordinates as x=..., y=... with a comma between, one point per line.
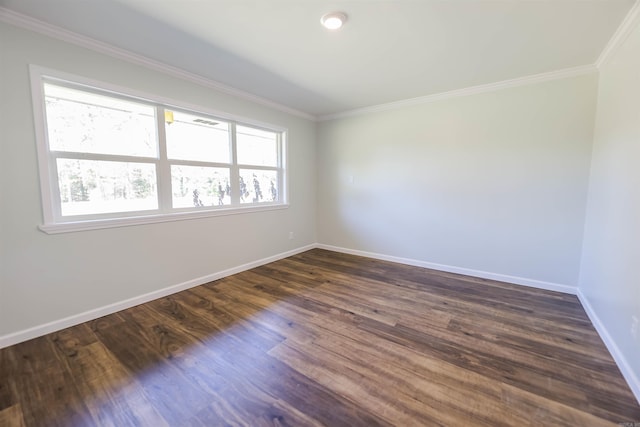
x=49, y=184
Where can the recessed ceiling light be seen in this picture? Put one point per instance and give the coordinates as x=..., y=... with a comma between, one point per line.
x=333, y=20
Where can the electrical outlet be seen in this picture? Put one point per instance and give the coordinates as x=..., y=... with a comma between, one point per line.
x=291, y=235
x=635, y=326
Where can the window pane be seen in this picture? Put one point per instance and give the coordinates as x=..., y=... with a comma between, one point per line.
x=256, y=147
x=192, y=137
x=258, y=186
x=90, y=123
x=194, y=186
x=94, y=187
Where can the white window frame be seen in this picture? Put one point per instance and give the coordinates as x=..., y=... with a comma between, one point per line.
x=54, y=222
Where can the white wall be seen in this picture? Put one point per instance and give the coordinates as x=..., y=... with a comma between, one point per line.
x=494, y=182
x=44, y=278
x=609, y=279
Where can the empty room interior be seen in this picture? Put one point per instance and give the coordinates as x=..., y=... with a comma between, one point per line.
x=319, y=213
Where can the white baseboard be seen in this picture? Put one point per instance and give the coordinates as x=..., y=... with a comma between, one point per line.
x=56, y=325
x=459, y=270
x=628, y=374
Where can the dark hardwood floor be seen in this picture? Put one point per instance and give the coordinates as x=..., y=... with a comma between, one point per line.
x=329, y=339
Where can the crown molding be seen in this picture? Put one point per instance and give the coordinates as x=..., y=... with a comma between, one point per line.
x=23, y=21
x=473, y=90
x=621, y=34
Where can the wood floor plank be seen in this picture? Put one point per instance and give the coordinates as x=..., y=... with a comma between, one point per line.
x=369, y=346
x=173, y=396
x=179, y=336
x=324, y=339
x=116, y=397
x=278, y=379
x=11, y=416
x=434, y=379
x=251, y=373
x=38, y=376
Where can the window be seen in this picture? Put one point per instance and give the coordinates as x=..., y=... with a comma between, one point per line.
x=110, y=158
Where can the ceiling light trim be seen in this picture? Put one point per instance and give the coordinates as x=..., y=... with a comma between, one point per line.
x=620, y=35
x=333, y=21
x=473, y=90
x=26, y=22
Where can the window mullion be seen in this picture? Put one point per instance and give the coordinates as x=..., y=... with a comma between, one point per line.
x=234, y=173
x=163, y=166
x=282, y=182
x=55, y=187
x=102, y=157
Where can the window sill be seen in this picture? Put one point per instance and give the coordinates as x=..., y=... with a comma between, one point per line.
x=86, y=225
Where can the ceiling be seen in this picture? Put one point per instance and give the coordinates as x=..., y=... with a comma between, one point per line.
x=389, y=50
